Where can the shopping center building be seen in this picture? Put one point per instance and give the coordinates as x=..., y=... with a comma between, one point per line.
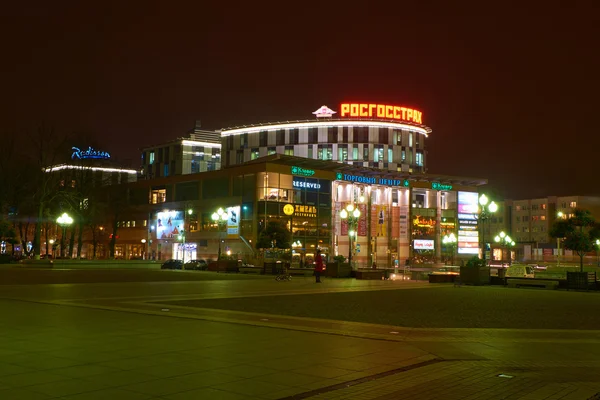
x=304, y=174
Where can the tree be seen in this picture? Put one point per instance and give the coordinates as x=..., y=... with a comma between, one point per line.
x=579, y=233
x=275, y=235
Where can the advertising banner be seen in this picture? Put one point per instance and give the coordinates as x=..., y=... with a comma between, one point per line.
x=362, y=221
x=379, y=220
x=233, y=222
x=169, y=224
x=468, y=235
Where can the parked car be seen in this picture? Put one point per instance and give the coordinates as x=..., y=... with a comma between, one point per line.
x=197, y=265
x=172, y=264
x=520, y=271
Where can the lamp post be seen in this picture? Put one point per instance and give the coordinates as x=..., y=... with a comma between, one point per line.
x=505, y=241
x=64, y=220
x=450, y=241
x=352, y=215
x=559, y=215
x=220, y=217
x=486, y=210
x=145, y=255
x=597, y=256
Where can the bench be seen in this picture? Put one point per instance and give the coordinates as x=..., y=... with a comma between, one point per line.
x=544, y=283
x=369, y=274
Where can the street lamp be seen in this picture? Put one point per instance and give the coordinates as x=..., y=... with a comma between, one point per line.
x=352, y=215
x=504, y=240
x=64, y=220
x=486, y=210
x=450, y=241
x=559, y=215
x=220, y=217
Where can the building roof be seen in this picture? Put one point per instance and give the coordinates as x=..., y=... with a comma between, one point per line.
x=326, y=122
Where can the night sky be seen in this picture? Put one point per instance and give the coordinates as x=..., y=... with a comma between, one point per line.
x=511, y=93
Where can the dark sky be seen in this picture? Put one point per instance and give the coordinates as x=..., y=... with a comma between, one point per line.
x=511, y=92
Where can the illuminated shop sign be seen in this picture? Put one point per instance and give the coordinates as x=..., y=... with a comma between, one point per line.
x=169, y=224
x=424, y=222
x=372, y=180
x=440, y=186
x=300, y=210
x=306, y=185
x=423, y=244
x=381, y=111
x=233, y=221
x=90, y=153
x=468, y=235
x=302, y=171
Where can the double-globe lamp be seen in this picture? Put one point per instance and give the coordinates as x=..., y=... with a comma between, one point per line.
x=220, y=217
x=487, y=208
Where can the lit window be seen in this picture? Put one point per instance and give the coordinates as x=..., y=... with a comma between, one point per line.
x=151, y=159
x=390, y=155
x=419, y=160
x=271, y=150
x=573, y=204
x=254, y=154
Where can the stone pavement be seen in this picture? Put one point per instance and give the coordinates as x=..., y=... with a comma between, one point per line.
x=133, y=341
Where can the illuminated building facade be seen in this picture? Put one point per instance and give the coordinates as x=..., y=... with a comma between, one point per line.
x=366, y=135
x=200, y=151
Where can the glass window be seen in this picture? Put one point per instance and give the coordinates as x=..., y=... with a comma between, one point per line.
x=410, y=139
x=289, y=150
x=390, y=155
x=378, y=153
x=280, y=137
x=254, y=153
x=355, y=152
x=151, y=159
x=366, y=152
x=271, y=150
x=263, y=138
x=573, y=204
x=419, y=160
x=543, y=206
x=310, y=151
x=158, y=196
x=342, y=152
x=325, y=152
x=166, y=170
x=313, y=136
x=403, y=155
x=331, y=135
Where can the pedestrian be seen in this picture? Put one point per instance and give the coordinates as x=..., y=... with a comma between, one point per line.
x=318, y=266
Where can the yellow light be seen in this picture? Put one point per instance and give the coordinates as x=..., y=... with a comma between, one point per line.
x=350, y=207
x=344, y=214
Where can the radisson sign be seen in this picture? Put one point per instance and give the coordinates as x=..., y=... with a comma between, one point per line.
x=383, y=111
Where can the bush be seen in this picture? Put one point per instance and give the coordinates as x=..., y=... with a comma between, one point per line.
x=475, y=262
x=339, y=258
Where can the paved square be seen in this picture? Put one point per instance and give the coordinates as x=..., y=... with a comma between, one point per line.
x=203, y=335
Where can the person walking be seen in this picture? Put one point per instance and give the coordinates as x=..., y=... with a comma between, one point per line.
x=318, y=266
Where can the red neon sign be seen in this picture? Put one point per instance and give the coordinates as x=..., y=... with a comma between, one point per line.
x=383, y=111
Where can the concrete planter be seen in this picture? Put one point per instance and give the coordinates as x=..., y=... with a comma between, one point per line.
x=338, y=270
x=475, y=276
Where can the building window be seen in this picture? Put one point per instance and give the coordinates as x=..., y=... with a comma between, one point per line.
x=271, y=150
x=166, y=170
x=573, y=204
x=355, y=152
x=280, y=137
x=158, y=196
x=518, y=208
x=543, y=206
x=378, y=153
x=342, y=152
x=263, y=138
x=410, y=139
x=331, y=135
x=403, y=155
x=254, y=153
x=518, y=230
x=366, y=152
x=542, y=217
x=289, y=150
x=518, y=219
x=419, y=160
x=313, y=136
x=310, y=151
x=151, y=158
x=390, y=155
x=325, y=152
x=525, y=218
